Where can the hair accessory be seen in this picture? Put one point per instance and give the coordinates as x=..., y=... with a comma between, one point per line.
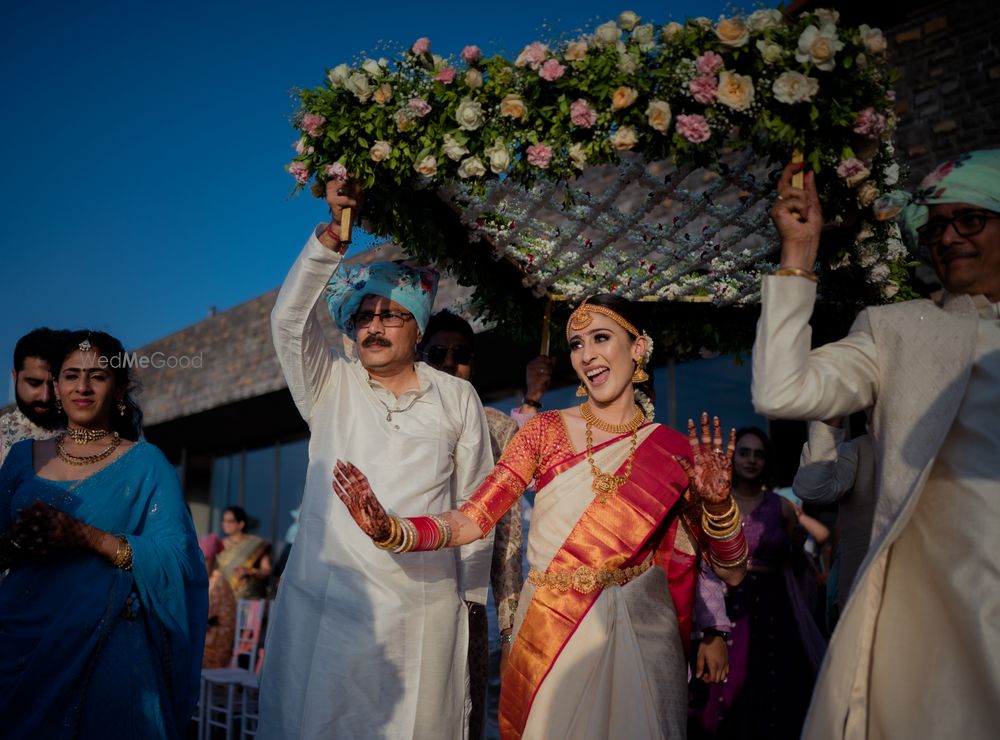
x=581, y=318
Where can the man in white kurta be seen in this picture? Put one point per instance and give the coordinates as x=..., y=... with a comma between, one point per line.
x=364, y=643
x=917, y=651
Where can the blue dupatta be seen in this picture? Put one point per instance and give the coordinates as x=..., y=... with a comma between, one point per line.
x=86, y=648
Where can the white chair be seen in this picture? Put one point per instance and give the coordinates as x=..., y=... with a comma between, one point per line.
x=219, y=686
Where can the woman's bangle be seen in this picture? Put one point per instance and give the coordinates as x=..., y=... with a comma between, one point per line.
x=506, y=640
x=123, y=555
x=797, y=272
x=531, y=402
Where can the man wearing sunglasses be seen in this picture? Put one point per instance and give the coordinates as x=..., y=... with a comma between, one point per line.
x=364, y=643
x=917, y=650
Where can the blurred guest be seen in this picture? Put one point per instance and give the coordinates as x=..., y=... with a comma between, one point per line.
x=221, y=608
x=245, y=560
x=103, y=612
x=36, y=415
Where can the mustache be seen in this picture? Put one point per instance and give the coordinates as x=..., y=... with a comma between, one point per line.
x=376, y=339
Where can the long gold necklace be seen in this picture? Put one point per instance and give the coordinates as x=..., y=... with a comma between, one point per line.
x=86, y=459
x=82, y=436
x=607, y=484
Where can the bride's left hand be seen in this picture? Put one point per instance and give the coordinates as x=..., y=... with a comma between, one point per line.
x=711, y=475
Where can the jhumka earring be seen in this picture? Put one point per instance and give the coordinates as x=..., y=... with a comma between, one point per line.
x=581, y=392
x=121, y=408
x=640, y=375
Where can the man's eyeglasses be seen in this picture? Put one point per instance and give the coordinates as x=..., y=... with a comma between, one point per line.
x=965, y=224
x=389, y=319
x=437, y=354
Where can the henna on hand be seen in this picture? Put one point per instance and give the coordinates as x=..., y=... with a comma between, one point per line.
x=711, y=475
x=352, y=487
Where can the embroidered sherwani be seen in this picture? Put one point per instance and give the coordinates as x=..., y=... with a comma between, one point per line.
x=364, y=643
x=917, y=649
x=15, y=426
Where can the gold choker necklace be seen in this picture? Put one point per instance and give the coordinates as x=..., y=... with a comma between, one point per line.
x=607, y=484
x=86, y=459
x=82, y=436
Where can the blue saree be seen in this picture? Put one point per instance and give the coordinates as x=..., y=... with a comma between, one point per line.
x=86, y=648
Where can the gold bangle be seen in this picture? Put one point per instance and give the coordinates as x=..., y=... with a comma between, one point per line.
x=721, y=533
x=445, y=532
x=797, y=272
x=123, y=555
x=720, y=517
x=409, y=536
x=392, y=540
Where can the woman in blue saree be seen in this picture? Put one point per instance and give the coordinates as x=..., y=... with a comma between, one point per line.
x=103, y=611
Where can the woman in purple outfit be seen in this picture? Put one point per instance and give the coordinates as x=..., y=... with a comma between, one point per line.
x=775, y=647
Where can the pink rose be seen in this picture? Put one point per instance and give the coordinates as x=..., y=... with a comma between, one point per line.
x=709, y=63
x=421, y=46
x=532, y=55
x=850, y=167
x=312, y=123
x=581, y=114
x=445, y=75
x=471, y=54
x=551, y=70
x=539, y=155
x=336, y=171
x=870, y=123
x=694, y=128
x=302, y=148
x=704, y=89
x=419, y=106
x=300, y=171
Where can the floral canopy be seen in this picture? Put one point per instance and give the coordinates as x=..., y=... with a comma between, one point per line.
x=638, y=159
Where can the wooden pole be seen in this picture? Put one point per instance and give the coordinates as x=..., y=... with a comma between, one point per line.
x=546, y=324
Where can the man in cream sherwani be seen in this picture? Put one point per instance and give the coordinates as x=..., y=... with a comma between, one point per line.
x=917, y=651
x=364, y=643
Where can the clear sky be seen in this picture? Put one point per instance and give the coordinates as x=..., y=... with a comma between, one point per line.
x=143, y=143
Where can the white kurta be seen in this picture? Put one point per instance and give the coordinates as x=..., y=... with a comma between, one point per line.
x=365, y=644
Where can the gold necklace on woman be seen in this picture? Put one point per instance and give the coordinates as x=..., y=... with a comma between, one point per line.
x=86, y=459
x=82, y=436
x=607, y=484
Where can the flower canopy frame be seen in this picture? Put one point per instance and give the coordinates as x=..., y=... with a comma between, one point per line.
x=639, y=160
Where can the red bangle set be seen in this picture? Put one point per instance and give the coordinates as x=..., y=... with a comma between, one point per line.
x=428, y=533
x=728, y=550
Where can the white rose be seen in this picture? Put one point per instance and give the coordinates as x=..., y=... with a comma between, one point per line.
x=471, y=167
x=671, y=31
x=577, y=156
x=703, y=22
x=879, y=273
x=358, y=84
x=643, y=35
x=452, y=149
x=499, y=157
x=372, y=68
x=338, y=75
x=873, y=40
x=765, y=19
x=627, y=64
x=890, y=289
x=819, y=46
x=794, y=87
x=628, y=20
x=735, y=91
x=469, y=115
x=427, y=166
x=607, y=33
x=867, y=194
x=474, y=78
x=770, y=51
x=624, y=138
x=380, y=151
x=891, y=174
x=658, y=115
x=826, y=16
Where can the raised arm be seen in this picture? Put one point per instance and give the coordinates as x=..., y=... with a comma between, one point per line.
x=828, y=466
x=302, y=347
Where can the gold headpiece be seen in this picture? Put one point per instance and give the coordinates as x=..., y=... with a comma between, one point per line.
x=580, y=319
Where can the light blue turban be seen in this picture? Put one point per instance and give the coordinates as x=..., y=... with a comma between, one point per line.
x=972, y=178
x=413, y=288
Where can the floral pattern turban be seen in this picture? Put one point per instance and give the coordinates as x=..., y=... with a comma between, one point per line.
x=413, y=288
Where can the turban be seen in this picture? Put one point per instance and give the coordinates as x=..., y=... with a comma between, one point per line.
x=413, y=288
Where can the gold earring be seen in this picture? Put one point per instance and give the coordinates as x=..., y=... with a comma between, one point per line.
x=581, y=392
x=121, y=408
x=640, y=375
x=58, y=405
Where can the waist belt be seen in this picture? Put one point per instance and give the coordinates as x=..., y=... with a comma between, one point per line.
x=585, y=579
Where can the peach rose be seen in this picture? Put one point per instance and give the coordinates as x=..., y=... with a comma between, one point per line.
x=624, y=139
x=513, y=107
x=623, y=98
x=383, y=93
x=735, y=90
x=427, y=166
x=658, y=115
x=732, y=32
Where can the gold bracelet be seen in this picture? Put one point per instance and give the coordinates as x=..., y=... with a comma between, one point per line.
x=797, y=272
x=391, y=542
x=717, y=532
x=720, y=517
x=444, y=530
x=409, y=536
x=123, y=555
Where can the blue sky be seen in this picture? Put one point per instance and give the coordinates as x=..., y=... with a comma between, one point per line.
x=143, y=144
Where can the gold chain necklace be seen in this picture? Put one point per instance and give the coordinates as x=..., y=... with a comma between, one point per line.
x=607, y=484
x=86, y=459
x=82, y=436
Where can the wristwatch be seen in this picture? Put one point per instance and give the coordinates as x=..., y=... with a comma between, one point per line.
x=713, y=632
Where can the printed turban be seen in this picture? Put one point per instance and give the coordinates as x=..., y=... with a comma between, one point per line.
x=413, y=288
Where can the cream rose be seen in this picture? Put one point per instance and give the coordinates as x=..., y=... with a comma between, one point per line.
x=794, y=87
x=383, y=93
x=338, y=75
x=577, y=156
x=867, y=193
x=513, y=107
x=873, y=40
x=671, y=31
x=624, y=139
x=380, y=151
x=732, y=32
x=499, y=157
x=819, y=46
x=658, y=115
x=372, y=68
x=469, y=115
x=576, y=50
x=474, y=78
x=628, y=20
x=770, y=51
x=452, y=149
x=358, y=84
x=471, y=167
x=623, y=98
x=735, y=91
x=765, y=19
x=427, y=166
x=627, y=64
x=607, y=34
x=827, y=16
